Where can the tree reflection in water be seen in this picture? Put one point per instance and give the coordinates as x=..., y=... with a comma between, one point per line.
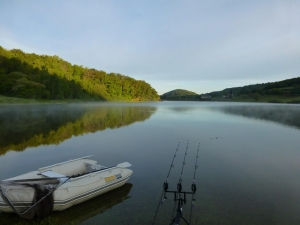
x=283, y=114
x=31, y=126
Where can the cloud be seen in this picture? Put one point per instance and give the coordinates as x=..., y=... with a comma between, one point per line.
x=193, y=41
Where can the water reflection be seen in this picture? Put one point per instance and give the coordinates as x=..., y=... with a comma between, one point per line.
x=283, y=114
x=183, y=109
x=78, y=213
x=249, y=175
x=31, y=126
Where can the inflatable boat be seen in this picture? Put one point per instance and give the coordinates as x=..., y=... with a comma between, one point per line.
x=60, y=186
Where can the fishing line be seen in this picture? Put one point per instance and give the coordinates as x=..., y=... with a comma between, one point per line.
x=166, y=185
x=187, y=146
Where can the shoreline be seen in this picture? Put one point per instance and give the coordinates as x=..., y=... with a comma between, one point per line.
x=5, y=100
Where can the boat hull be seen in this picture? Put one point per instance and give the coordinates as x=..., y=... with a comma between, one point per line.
x=76, y=196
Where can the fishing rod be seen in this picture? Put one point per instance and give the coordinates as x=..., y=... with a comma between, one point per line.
x=166, y=185
x=178, y=198
x=194, y=188
x=177, y=195
x=187, y=146
x=179, y=185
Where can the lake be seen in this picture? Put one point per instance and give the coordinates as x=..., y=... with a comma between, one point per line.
x=248, y=166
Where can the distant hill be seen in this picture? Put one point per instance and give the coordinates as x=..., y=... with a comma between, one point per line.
x=179, y=94
x=287, y=88
x=285, y=91
x=35, y=76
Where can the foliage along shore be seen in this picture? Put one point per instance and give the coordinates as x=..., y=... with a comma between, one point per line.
x=42, y=77
x=286, y=91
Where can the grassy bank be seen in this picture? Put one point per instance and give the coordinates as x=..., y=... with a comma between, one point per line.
x=13, y=100
x=245, y=98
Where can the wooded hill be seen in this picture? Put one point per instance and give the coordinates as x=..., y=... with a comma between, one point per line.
x=280, y=91
x=289, y=88
x=179, y=94
x=50, y=77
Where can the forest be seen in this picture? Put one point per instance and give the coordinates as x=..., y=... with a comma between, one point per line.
x=289, y=87
x=285, y=91
x=46, y=77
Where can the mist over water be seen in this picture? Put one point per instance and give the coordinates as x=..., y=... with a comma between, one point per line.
x=283, y=114
x=34, y=125
x=248, y=160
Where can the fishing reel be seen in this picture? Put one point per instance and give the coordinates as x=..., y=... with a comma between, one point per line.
x=179, y=187
x=194, y=188
x=166, y=186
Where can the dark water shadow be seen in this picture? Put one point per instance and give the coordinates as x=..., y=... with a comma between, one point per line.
x=31, y=126
x=76, y=214
x=182, y=109
x=283, y=114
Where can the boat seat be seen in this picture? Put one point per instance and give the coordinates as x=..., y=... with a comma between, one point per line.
x=50, y=173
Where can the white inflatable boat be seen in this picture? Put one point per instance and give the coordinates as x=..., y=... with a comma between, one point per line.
x=60, y=186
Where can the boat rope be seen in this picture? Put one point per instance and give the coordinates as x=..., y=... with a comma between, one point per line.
x=194, y=188
x=23, y=213
x=165, y=186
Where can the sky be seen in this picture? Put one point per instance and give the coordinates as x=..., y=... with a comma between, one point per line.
x=200, y=45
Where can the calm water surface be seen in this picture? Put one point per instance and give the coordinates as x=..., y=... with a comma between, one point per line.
x=249, y=158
